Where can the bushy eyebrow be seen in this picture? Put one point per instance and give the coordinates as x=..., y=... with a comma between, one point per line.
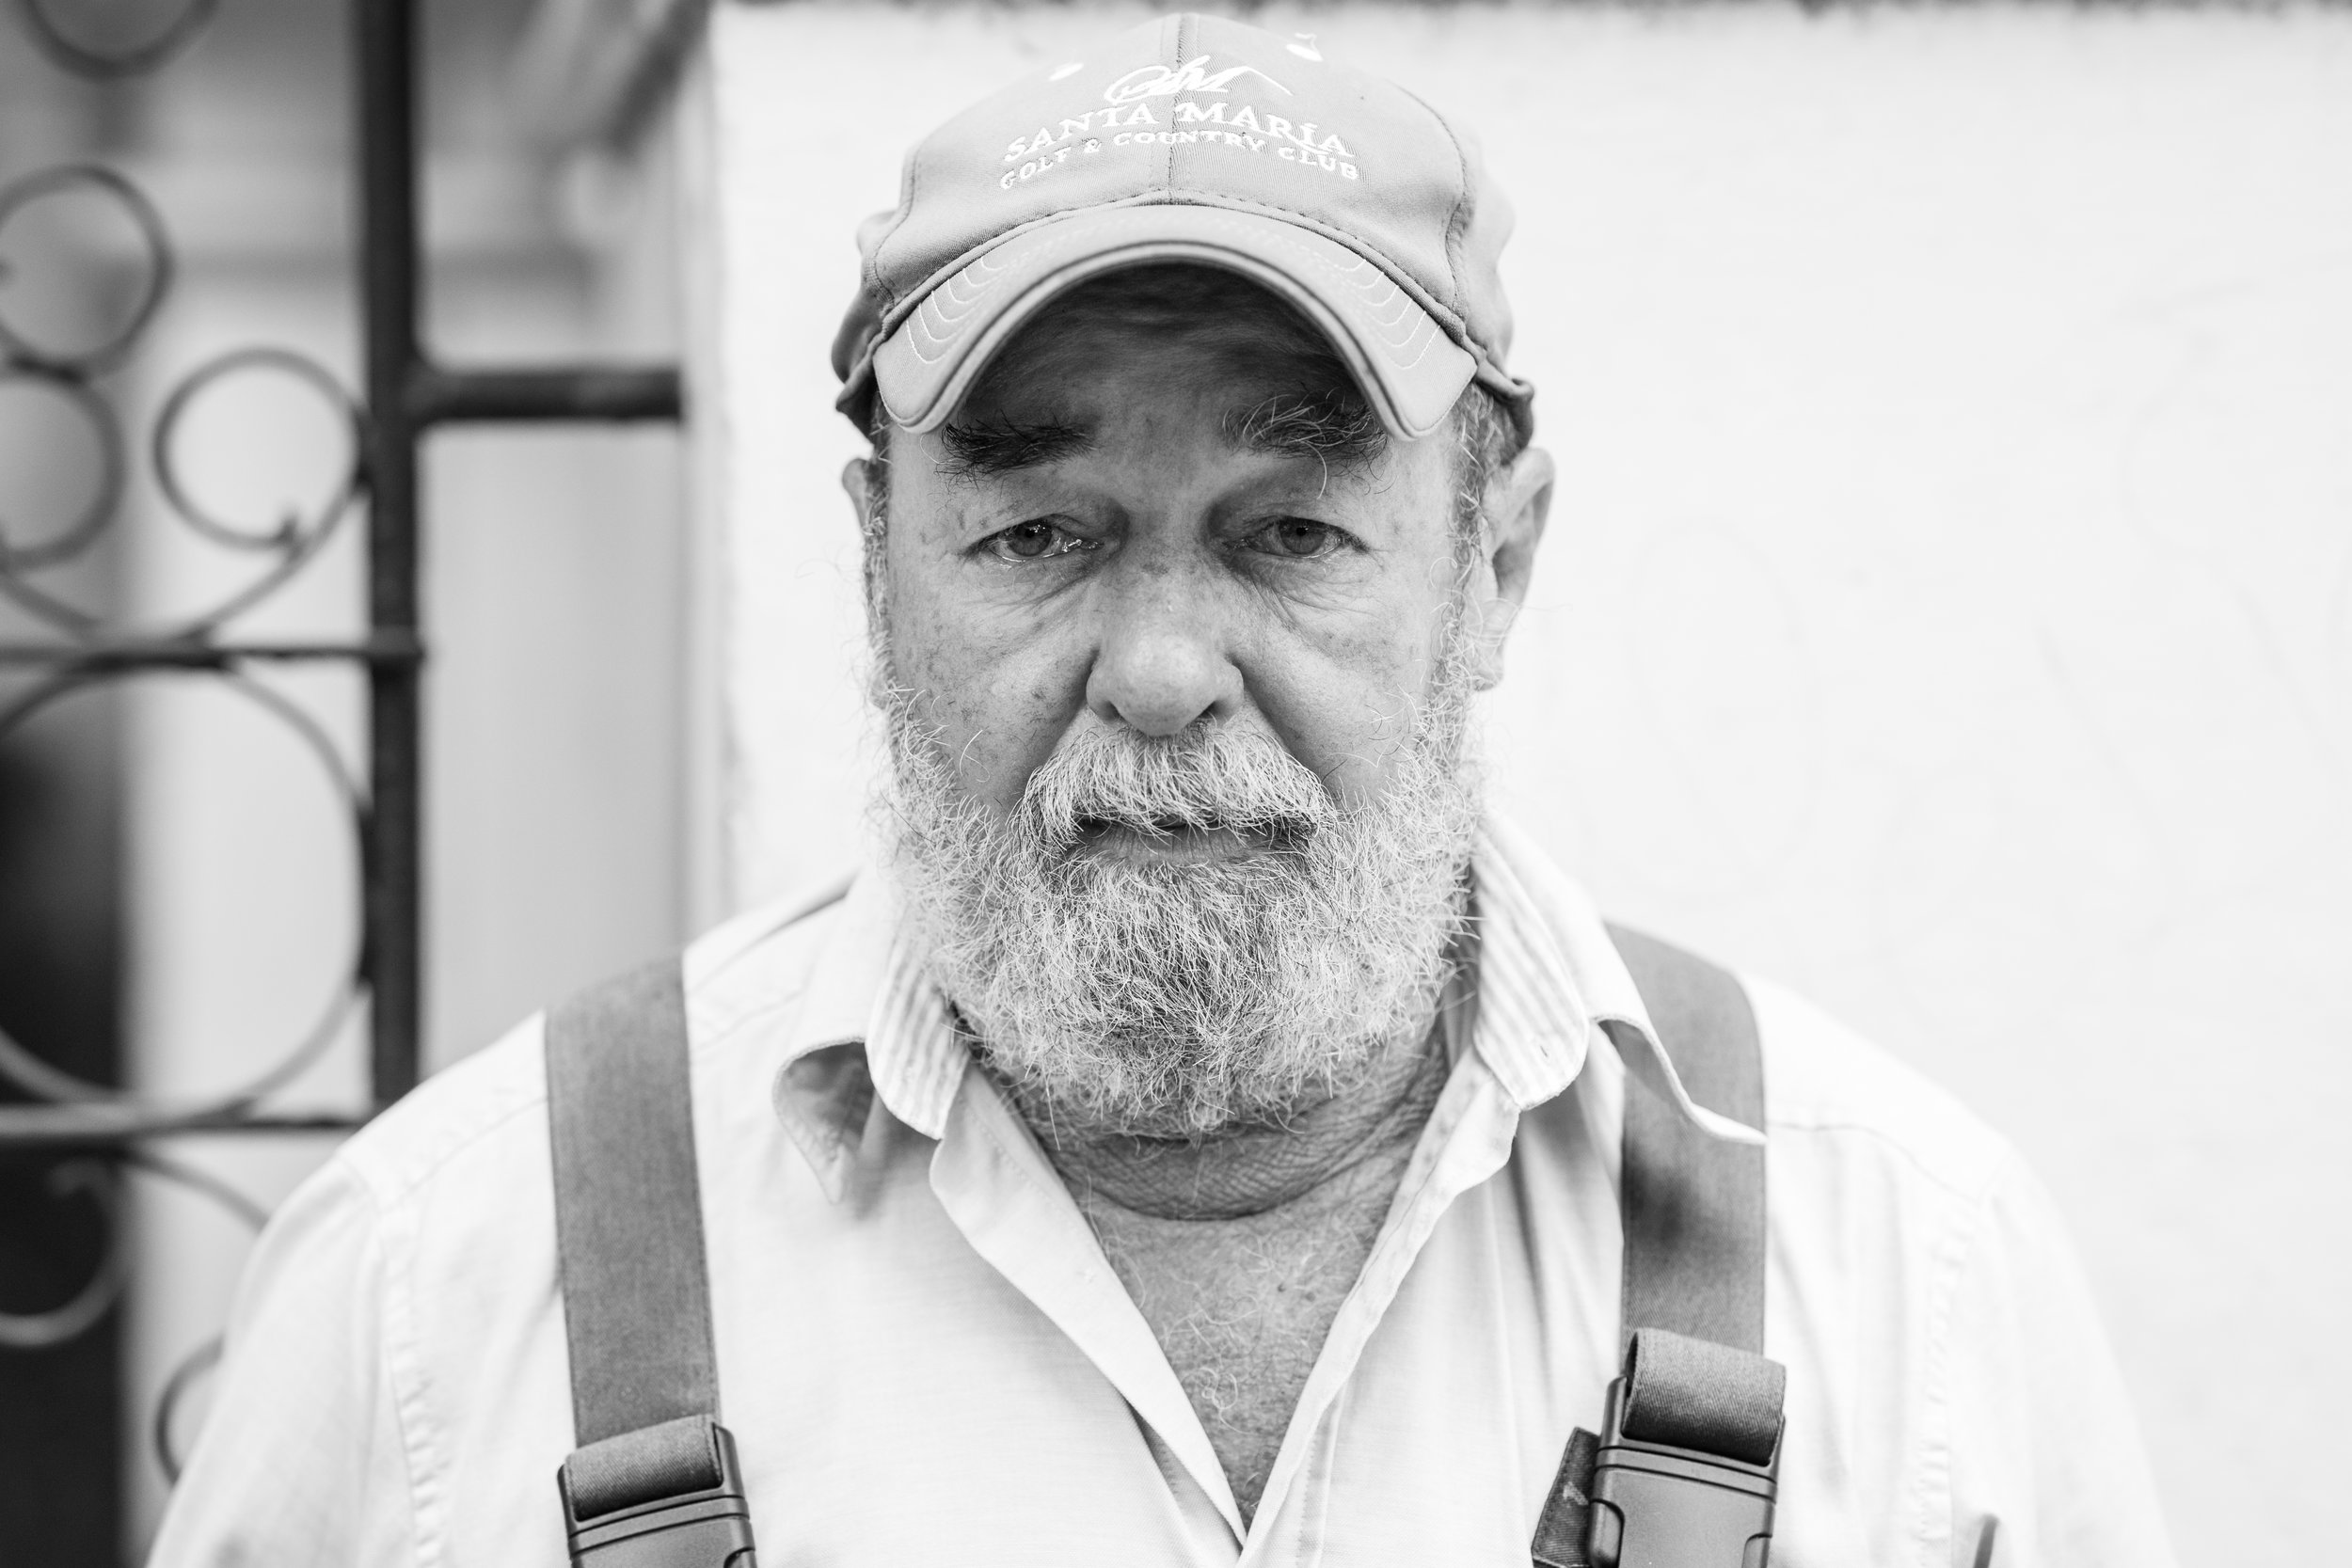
x=984, y=448
x=1339, y=428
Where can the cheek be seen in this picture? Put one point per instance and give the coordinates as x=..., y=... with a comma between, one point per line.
x=1345, y=694
x=991, y=694
x=1345, y=689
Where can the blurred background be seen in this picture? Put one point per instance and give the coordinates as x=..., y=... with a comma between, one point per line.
x=180, y=865
x=1947, y=608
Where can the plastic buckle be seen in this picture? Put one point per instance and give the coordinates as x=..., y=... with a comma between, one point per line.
x=709, y=1528
x=1658, y=1506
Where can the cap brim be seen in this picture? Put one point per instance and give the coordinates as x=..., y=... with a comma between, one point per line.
x=1409, y=369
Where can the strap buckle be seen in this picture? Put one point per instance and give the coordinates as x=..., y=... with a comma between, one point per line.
x=1658, y=1504
x=663, y=1496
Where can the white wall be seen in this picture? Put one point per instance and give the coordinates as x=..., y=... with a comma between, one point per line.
x=1949, y=603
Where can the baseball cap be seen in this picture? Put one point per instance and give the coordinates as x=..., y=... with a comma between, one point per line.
x=1200, y=139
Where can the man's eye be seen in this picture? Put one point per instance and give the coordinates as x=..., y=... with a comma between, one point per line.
x=1034, y=540
x=1297, y=539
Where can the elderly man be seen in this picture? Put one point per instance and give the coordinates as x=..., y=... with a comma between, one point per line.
x=1199, y=1137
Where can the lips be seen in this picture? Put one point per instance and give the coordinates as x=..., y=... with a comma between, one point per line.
x=1166, y=826
x=1192, y=831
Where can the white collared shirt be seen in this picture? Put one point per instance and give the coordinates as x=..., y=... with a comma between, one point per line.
x=924, y=1356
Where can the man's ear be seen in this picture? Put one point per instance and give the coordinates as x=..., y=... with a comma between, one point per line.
x=858, y=480
x=1518, y=505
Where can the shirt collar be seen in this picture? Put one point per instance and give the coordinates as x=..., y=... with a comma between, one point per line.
x=872, y=1024
x=1549, y=976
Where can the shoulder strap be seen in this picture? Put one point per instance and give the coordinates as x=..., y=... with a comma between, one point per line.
x=654, y=1479
x=629, y=1220
x=1684, y=1472
x=1694, y=1206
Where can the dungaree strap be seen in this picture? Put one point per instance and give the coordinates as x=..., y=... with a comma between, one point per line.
x=1694, y=1206
x=1684, y=1472
x=654, y=1479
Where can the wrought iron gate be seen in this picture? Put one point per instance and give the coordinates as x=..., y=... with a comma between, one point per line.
x=88, y=1132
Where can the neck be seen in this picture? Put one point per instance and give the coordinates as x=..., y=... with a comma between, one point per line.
x=1252, y=1170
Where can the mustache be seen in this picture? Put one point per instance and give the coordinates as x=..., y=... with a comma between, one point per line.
x=1208, y=778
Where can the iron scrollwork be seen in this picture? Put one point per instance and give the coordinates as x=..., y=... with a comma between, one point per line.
x=36, y=1078
x=94, y=652
x=71, y=374
x=89, y=648
x=98, y=1136
x=82, y=1311
x=103, y=63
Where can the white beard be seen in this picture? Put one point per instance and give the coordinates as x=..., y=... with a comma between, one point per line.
x=1180, y=999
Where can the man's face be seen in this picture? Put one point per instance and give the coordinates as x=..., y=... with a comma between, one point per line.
x=1106, y=547
x=1177, y=651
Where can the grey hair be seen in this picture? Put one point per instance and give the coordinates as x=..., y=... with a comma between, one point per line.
x=1487, y=441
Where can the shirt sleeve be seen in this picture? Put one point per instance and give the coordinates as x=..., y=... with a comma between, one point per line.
x=2043, y=1437
x=300, y=1461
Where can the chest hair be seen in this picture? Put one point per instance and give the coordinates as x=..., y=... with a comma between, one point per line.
x=1241, y=1306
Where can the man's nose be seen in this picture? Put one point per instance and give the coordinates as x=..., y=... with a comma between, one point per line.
x=1162, y=662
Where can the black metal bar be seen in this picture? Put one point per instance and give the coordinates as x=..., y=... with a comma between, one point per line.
x=440, y=396
x=137, y=654
x=390, y=255
x=115, y=1124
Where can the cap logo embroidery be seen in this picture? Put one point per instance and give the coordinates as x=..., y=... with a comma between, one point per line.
x=1157, y=81
x=1242, y=129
